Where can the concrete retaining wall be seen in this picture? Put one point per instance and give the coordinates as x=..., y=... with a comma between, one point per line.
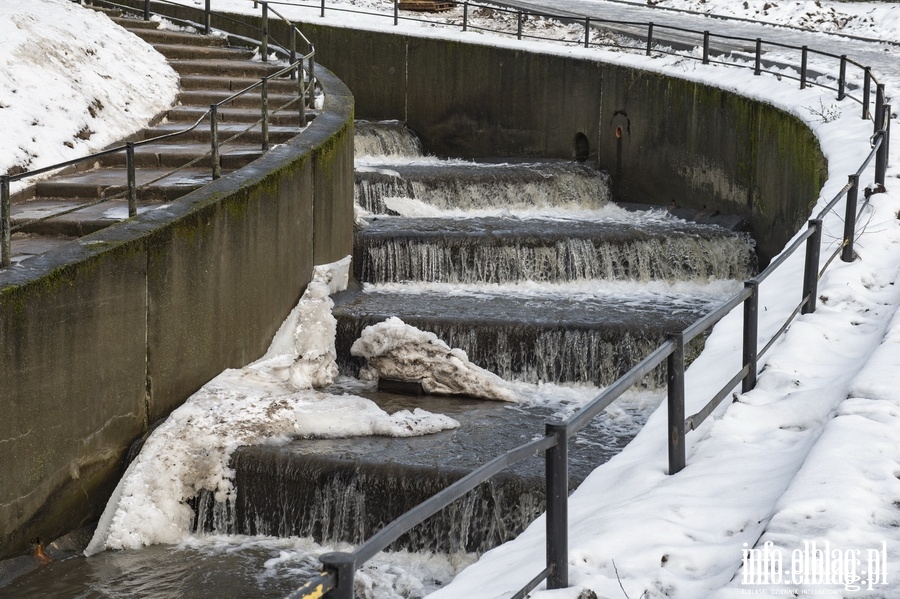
x=101, y=338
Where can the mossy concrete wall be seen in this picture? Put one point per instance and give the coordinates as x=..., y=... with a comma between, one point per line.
x=110, y=333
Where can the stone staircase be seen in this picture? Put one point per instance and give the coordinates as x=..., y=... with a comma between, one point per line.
x=89, y=197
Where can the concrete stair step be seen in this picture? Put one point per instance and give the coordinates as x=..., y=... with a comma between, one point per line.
x=186, y=51
x=277, y=134
x=133, y=23
x=107, y=182
x=223, y=67
x=80, y=222
x=168, y=37
x=170, y=155
x=288, y=117
x=112, y=12
x=28, y=245
x=234, y=84
x=249, y=100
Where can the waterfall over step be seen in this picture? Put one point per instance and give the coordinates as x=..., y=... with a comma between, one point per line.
x=385, y=138
x=478, y=186
x=495, y=250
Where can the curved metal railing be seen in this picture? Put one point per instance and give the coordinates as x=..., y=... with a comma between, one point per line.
x=336, y=580
x=301, y=69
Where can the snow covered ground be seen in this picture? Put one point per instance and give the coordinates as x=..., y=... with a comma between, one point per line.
x=807, y=462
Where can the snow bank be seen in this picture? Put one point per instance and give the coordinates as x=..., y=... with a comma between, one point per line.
x=269, y=401
x=398, y=351
x=72, y=83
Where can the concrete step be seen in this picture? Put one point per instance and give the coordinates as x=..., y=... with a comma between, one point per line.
x=168, y=37
x=249, y=100
x=111, y=12
x=185, y=51
x=277, y=134
x=80, y=222
x=28, y=245
x=107, y=182
x=133, y=23
x=223, y=67
x=288, y=117
x=172, y=155
x=233, y=84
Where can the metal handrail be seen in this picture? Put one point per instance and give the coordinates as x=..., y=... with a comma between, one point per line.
x=343, y=564
x=306, y=95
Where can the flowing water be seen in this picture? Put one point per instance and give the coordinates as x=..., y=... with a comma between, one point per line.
x=538, y=277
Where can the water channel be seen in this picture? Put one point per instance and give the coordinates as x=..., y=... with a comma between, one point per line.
x=538, y=276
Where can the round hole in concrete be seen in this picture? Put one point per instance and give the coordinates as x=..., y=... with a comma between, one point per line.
x=582, y=147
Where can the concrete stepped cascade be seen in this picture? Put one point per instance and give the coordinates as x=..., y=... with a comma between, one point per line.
x=210, y=71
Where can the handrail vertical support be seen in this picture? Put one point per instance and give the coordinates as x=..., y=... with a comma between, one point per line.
x=132, y=185
x=751, y=335
x=706, y=47
x=649, y=37
x=206, y=16
x=587, y=32
x=757, y=67
x=264, y=102
x=344, y=567
x=804, y=60
x=301, y=93
x=811, y=267
x=867, y=93
x=842, y=78
x=396, y=11
x=887, y=136
x=311, y=89
x=879, y=107
x=322, y=11
x=293, y=48
x=519, y=25
x=675, y=376
x=465, y=16
x=146, y=10
x=6, y=258
x=214, y=140
x=850, y=219
x=557, y=491
x=264, y=42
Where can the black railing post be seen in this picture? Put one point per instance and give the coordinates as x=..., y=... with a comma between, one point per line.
x=206, y=13
x=757, y=67
x=751, y=334
x=132, y=185
x=146, y=10
x=587, y=32
x=214, y=140
x=311, y=89
x=850, y=219
x=649, y=37
x=322, y=11
x=344, y=567
x=675, y=366
x=842, y=78
x=519, y=25
x=396, y=11
x=804, y=58
x=301, y=93
x=293, y=49
x=811, y=267
x=879, y=107
x=867, y=93
x=5, y=244
x=706, y=47
x=264, y=42
x=465, y=16
x=264, y=102
x=883, y=152
x=557, y=490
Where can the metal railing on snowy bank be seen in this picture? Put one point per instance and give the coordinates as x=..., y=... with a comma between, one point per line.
x=299, y=68
x=337, y=579
x=847, y=76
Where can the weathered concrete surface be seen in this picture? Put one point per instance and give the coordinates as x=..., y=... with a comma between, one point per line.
x=105, y=335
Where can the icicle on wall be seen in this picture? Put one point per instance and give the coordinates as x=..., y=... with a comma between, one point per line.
x=455, y=260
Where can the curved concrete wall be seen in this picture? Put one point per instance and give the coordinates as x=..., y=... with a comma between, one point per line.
x=683, y=141
x=105, y=336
